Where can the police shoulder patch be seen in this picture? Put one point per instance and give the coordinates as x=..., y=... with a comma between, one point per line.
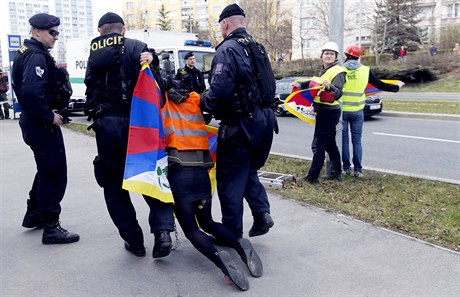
x=39, y=71
x=219, y=68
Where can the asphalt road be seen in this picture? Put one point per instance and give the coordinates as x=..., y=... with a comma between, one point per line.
x=416, y=147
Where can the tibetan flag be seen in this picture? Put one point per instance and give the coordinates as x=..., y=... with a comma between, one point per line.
x=371, y=90
x=212, y=141
x=300, y=102
x=146, y=164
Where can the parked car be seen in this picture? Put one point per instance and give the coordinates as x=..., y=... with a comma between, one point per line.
x=283, y=90
x=372, y=106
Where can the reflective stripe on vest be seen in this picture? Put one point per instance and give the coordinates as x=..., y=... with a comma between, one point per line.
x=330, y=74
x=184, y=124
x=353, y=97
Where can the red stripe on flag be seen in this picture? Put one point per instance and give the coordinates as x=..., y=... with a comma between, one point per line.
x=146, y=89
x=143, y=139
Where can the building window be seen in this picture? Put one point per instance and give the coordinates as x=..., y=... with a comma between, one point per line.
x=306, y=23
x=129, y=5
x=130, y=17
x=201, y=11
x=216, y=9
x=203, y=24
x=307, y=43
x=306, y=3
x=453, y=10
x=143, y=4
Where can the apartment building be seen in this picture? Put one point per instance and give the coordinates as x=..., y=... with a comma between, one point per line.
x=185, y=15
x=437, y=14
x=309, y=19
x=76, y=19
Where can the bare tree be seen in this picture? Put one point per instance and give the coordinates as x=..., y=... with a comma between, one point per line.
x=266, y=23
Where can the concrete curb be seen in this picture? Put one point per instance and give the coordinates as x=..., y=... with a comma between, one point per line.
x=420, y=115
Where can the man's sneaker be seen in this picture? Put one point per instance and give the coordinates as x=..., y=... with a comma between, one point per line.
x=163, y=244
x=347, y=172
x=262, y=223
x=359, y=174
x=232, y=271
x=136, y=251
x=251, y=258
x=53, y=233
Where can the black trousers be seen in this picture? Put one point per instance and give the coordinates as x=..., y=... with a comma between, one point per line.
x=112, y=141
x=50, y=181
x=236, y=170
x=324, y=141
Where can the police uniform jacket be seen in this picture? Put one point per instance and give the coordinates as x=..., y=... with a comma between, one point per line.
x=231, y=77
x=115, y=97
x=34, y=80
x=192, y=78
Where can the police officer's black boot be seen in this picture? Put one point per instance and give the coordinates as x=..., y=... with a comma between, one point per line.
x=53, y=233
x=163, y=244
x=32, y=219
x=262, y=223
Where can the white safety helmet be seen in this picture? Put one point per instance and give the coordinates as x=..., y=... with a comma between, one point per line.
x=331, y=46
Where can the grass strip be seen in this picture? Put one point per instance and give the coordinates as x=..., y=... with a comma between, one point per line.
x=425, y=209
x=424, y=106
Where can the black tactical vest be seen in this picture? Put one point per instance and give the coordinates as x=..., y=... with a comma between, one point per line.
x=107, y=83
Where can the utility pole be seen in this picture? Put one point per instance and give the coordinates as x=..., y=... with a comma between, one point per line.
x=336, y=23
x=360, y=21
x=336, y=16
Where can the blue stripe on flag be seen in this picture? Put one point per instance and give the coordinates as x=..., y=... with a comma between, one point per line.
x=135, y=163
x=144, y=114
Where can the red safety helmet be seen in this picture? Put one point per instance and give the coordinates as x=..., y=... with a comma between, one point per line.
x=353, y=50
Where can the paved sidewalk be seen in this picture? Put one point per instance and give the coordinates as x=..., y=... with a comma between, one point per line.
x=309, y=252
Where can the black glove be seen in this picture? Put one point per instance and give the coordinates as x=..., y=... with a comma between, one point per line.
x=155, y=61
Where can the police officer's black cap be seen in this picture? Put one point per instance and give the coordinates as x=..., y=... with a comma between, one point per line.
x=109, y=18
x=232, y=9
x=188, y=55
x=44, y=21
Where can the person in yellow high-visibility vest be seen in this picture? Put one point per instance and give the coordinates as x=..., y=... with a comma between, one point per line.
x=327, y=107
x=353, y=101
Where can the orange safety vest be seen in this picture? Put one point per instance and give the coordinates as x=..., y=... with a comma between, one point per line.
x=184, y=124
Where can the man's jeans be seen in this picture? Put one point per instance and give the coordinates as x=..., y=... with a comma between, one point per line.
x=354, y=120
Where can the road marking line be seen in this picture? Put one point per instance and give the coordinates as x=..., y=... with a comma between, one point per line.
x=417, y=137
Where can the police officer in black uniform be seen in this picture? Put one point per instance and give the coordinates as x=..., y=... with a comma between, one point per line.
x=245, y=137
x=190, y=75
x=35, y=81
x=113, y=68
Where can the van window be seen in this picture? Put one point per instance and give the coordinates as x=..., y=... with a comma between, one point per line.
x=203, y=60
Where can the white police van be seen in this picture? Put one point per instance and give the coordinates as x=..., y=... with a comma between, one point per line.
x=170, y=47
